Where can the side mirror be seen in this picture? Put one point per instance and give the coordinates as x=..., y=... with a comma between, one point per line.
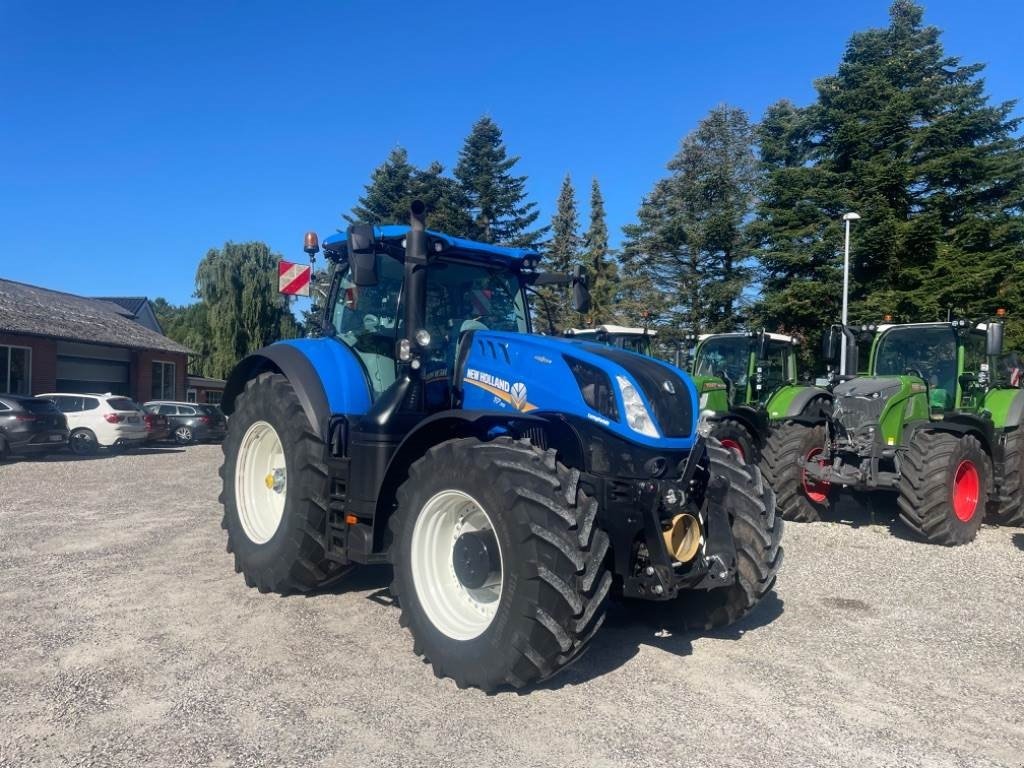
x=994, y=340
x=831, y=343
x=580, y=291
x=361, y=257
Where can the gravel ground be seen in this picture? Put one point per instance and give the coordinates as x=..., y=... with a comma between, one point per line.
x=127, y=639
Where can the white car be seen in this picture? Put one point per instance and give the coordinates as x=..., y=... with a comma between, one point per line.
x=100, y=421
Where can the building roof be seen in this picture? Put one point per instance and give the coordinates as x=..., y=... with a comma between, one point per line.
x=131, y=303
x=204, y=381
x=34, y=311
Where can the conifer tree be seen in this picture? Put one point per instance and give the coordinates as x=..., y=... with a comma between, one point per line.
x=598, y=259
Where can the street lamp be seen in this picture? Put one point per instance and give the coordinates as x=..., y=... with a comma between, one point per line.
x=847, y=217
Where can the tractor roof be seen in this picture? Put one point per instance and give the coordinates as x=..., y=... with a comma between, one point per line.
x=616, y=330
x=772, y=336
x=440, y=243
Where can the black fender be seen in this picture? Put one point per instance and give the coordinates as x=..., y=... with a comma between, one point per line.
x=754, y=420
x=961, y=424
x=803, y=399
x=287, y=360
x=450, y=425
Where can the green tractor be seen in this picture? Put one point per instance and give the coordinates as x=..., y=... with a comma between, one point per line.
x=747, y=382
x=637, y=340
x=933, y=423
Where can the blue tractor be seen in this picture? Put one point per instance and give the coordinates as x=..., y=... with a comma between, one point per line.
x=513, y=481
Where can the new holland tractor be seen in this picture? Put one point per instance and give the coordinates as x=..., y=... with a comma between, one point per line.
x=513, y=481
x=932, y=424
x=623, y=337
x=748, y=382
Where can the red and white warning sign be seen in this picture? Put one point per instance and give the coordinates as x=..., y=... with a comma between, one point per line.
x=293, y=279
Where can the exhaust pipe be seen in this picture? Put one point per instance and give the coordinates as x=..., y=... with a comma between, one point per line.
x=682, y=537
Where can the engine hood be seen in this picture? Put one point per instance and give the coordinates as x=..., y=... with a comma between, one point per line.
x=859, y=403
x=520, y=372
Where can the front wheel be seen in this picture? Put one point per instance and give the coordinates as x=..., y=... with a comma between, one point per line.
x=183, y=436
x=1009, y=509
x=83, y=442
x=800, y=498
x=275, y=490
x=737, y=438
x=500, y=570
x=944, y=484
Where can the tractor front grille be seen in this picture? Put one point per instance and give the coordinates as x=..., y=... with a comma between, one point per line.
x=860, y=402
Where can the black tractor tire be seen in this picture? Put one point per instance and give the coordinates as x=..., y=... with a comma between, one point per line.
x=554, y=562
x=1010, y=511
x=928, y=489
x=83, y=442
x=734, y=436
x=757, y=531
x=294, y=558
x=787, y=446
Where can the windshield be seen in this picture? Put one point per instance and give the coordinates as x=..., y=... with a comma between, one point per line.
x=776, y=365
x=928, y=352
x=726, y=354
x=639, y=344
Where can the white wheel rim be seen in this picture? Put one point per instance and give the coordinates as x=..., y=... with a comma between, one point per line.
x=261, y=482
x=458, y=611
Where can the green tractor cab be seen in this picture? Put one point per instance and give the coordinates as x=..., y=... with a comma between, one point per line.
x=637, y=340
x=747, y=382
x=933, y=422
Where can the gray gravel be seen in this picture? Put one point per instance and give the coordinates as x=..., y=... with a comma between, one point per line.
x=127, y=639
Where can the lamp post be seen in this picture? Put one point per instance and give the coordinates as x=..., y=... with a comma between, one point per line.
x=847, y=217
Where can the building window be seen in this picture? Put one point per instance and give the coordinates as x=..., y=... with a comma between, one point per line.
x=190, y=396
x=16, y=370
x=213, y=397
x=163, y=380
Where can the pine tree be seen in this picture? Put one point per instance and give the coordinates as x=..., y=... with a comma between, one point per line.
x=390, y=189
x=562, y=254
x=904, y=135
x=496, y=198
x=689, y=241
x=603, y=277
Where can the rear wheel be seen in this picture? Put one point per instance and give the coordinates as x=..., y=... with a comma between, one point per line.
x=275, y=490
x=800, y=498
x=82, y=442
x=183, y=435
x=944, y=484
x=737, y=438
x=500, y=569
x=1010, y=510
x=757, y=531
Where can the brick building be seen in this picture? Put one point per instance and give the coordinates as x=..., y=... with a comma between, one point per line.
x=58, y=342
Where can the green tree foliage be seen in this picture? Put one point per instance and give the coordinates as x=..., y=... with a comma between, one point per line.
x=237, y=285
x=495, y=197
x=904, y=135
x=562, y=254
x=186, y=324
x=597, y=257
x=688, y=243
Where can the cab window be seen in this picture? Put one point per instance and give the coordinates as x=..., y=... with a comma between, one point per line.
x=930, y=352
x=776, y=365
x=729, y=356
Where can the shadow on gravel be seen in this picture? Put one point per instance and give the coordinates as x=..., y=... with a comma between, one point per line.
x=358, y=578
x=630, y=625
x=103, y=453
x=1018, y=541
x=858, y=510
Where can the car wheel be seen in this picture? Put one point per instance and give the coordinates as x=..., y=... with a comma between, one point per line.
x=183, y=435
x=83, y=442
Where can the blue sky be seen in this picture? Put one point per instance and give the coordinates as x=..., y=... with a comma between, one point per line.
x=135, y=136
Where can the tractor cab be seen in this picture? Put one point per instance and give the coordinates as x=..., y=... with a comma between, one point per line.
x=631, y=339
x=751, y=365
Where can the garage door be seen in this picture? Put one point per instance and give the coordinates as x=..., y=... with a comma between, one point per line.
x=81, y=374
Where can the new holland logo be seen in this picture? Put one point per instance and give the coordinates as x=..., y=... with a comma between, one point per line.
x=518, y=394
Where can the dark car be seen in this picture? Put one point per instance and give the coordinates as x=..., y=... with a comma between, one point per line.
x=158, y=427
x=30, y=425
x=190, y=422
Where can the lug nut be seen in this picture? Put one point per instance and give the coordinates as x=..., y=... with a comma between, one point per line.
x=658, y=589
x=649, y=571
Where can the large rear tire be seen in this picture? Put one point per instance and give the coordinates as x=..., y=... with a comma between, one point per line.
x=540, y=593
x=1010, y=511
x=788, y=445
x=944, y=485
x=275, y=490
x=757, y=532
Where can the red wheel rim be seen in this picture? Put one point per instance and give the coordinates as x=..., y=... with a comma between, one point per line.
x=816, y=491
x=966, y=490
x=734, y=446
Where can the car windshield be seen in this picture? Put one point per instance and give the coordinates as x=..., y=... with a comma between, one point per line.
x=926, y=351
x=726, y=354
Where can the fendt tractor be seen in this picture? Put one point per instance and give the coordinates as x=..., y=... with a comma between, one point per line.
x=932, y=423
x=513, y=481
x=747, y=382
x=637, y=340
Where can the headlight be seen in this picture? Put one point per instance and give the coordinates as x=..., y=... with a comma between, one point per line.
x=637, y=417
x=704, y=423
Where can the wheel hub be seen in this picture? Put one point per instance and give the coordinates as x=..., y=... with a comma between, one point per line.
x=475, y=558
x=275, y=480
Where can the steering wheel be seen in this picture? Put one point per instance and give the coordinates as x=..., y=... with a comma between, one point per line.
x=916, y=372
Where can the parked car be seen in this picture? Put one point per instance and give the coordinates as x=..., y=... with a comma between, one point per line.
x=30, y=425
x=157, y=426
x=100, y=421
x=191, y=422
